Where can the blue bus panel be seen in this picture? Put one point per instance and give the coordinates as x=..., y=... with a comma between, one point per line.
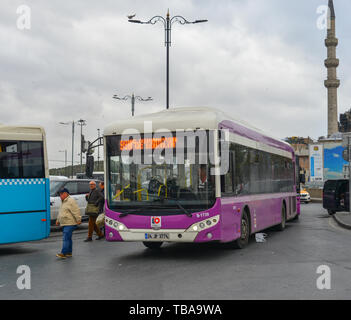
x=24, y=209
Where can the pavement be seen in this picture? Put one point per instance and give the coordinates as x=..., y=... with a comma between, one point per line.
x=343, y=219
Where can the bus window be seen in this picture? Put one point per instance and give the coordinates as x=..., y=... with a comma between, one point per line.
x=9, y=160
x=32, y=159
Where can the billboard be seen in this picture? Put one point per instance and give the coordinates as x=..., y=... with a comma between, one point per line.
x=335, y=166
x=316, y=162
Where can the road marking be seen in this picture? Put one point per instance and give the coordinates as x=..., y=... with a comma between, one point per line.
x=2, y=285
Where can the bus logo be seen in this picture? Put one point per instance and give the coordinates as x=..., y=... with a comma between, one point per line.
x=156, y=222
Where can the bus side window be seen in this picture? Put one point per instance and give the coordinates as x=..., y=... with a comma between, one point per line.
x=227, y=180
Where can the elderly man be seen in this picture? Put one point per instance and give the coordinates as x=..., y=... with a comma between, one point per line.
x=94, y=198
x=69, y=217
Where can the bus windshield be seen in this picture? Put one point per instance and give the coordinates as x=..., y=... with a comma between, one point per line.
x=159, y=184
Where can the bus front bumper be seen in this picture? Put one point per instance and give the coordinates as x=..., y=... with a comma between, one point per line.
x=202, y=231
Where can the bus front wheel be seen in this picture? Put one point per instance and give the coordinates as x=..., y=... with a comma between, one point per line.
x=243, y=241
x=153, y=245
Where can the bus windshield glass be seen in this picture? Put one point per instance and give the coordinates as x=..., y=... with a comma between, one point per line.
x=168, y=175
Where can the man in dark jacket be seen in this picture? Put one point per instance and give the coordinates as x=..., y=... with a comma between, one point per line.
x=94, y=199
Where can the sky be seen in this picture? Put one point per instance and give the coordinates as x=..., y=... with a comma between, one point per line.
x=259, y=61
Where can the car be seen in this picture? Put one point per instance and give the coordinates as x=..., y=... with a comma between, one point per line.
x=305, y=196
x=336, y=196
x=78, y=188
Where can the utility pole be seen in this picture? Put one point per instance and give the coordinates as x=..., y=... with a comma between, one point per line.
x=98, y=151
x=82, y=123
x=72, y=148
x=67, y=123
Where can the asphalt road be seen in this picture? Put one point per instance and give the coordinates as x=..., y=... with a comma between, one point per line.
x=284, y=267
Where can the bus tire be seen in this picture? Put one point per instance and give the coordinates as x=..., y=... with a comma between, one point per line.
x=153, y=245
x=243, y=241
x=281, y=226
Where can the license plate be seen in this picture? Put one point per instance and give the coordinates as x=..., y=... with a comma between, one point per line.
x=156, y=236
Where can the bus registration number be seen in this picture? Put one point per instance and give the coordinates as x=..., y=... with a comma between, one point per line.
x=156, y=236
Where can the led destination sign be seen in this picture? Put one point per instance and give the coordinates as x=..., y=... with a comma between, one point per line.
x=148, y=143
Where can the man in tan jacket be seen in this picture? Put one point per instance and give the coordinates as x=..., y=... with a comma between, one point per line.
x=69, y=217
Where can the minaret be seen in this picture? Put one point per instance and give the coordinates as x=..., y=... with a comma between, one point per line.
x=331, y=63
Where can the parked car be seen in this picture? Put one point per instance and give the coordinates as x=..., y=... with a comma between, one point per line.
x=78, y=188
x=336, y=195
x=305, y=196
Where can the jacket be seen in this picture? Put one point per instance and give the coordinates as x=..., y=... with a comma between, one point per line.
x=94, y=198
x=69, y=214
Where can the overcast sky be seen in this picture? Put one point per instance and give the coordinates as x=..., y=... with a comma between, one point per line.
x=260, y=60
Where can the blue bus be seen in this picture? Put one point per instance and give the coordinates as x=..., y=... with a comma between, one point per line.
x=24, y=184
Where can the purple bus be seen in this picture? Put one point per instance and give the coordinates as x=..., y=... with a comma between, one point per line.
x=195, y=175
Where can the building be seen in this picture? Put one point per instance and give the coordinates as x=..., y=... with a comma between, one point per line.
x=345, y=122
x=301, y=148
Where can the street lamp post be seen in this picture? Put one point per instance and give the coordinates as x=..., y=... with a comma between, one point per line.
x=67, y=123
x=98, y=151
x=167, y=23
x=132, y=98
x=82, y=123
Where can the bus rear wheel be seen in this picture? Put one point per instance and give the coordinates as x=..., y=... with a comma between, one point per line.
x=243, y=241
x=281, y=226
x=153, y=245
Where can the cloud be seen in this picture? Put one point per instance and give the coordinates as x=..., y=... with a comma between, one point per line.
x=261, y=61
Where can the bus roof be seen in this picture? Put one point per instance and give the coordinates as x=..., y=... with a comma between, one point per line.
x=26, y=133
x=183, y=119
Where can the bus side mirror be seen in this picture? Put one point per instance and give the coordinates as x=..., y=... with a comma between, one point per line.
x=89, y=167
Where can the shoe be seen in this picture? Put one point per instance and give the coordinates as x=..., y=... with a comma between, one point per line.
x=99, y=238
x=88, y=239
x=61, y=255
x=68, y=255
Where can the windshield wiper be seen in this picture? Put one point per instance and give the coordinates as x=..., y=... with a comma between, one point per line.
x=163, y=206
x=188, y=214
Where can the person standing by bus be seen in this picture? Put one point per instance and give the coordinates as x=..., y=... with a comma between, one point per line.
x=94, y=199
x=69, y=217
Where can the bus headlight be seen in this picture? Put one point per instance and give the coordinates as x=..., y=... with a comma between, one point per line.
x=204, y=224
x=115, y=224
